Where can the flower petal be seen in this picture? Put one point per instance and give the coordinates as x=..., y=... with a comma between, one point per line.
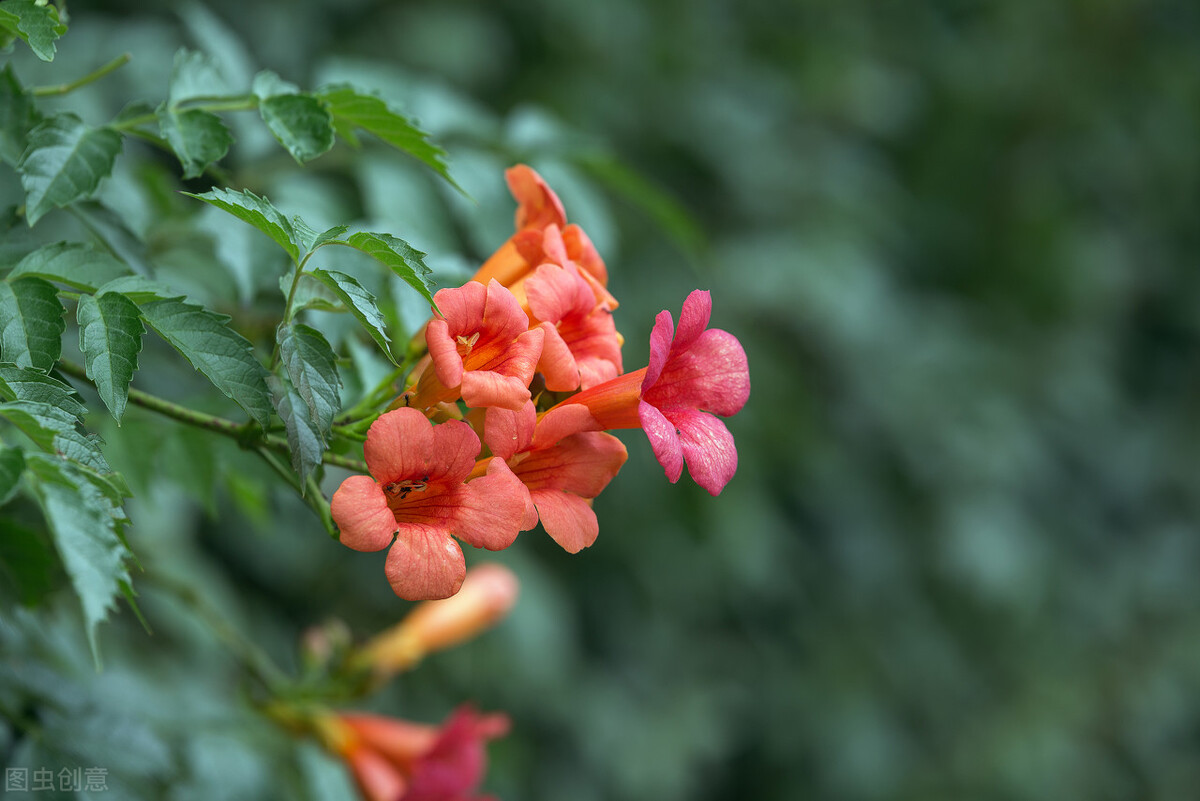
x=660, y=347
x=711, y=374
x=425, y=563
x=708, y=448
x=507, y=432
x=664, y=440
x=504, y=381
x=451, y=456
x=377, y=779
x=567, y=518
x=557, y=364
x=398, y=445
x=492, y=509
x=537, y=205
x=582, y=464
x=443, y=351
x=697, y=309
x=563, y=421
x=360, y=509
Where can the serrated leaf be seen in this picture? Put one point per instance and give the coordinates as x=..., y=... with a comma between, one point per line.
x=198, y=137
x=310, y=240
x=138, y=289
x=300, y=122
x=84, y=532
x=354, y=109
x=31, y=323
x=194, y=75
x=12, y=465
x=110, y=337
x=359, y=302
x=312, y=369
x=309, y=295
x=64, y=162
x=221, y=354
x=26, y=383
x=37, y=24
x=397, y=255
x=305, y=441
x=53, y=430
x=258, y=211
x=18, y=115
x=75, y=264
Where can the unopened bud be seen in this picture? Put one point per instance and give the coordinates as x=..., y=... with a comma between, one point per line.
x=488, y=593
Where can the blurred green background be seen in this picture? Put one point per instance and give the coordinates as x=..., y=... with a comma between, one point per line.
x=958, y=242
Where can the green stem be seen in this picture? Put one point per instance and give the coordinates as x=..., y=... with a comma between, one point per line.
x=64, y=88
x=242, y=432
x=287, y=306
x=239, y=103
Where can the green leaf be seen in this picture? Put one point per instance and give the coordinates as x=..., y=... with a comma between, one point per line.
x=300, y=122
x=194, y=75
x=258, y=211
x=77, y=265
x=312, y=369
x=65, y=161
x=31, y=323
x=269, y=84
x=109, y=227
x=37, y=24
x=305, y=441
x=353, y=109
x=397, y=255
x=83, y=528
x=138, y=289
x=215, y=349
x=18, y=115
x=12, y=465
x=360, y=303
x=198, y=137
x=110, y=337
x=53, y=430
x=26, y=383
x=310, y=240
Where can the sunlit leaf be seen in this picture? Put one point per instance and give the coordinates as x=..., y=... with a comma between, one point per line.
x=75, y=264
x=84, y=533
x=198, y=137
x=312, y=368
x=18, y=115
x=397, y=255
x=353, y=109
x=31, y=323
x=110, y=337
x=65, y=161
x=359, y=302
x=194, y=75
x=258, y=211
x=221, y=354
x=37, y=24
x=300, y=122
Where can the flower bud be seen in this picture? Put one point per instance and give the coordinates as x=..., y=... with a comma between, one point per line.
x=488, y=593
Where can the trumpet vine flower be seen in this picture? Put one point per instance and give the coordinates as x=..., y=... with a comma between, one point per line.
x=695, y=373
x=419, y=499
x=481, y=347
x=395, y=760
x=581, y=346
x=558, y=481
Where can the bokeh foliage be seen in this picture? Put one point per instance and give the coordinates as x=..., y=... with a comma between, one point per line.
x=958, y=242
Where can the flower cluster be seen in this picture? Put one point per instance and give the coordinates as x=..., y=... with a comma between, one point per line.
x=504, y=423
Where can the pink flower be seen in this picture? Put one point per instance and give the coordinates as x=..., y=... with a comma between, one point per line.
x=537, y=207
x=418, y=499
x=395, y=760
x=481, y=348
x=581, y=347
x=694, y=374
x=559, y=481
